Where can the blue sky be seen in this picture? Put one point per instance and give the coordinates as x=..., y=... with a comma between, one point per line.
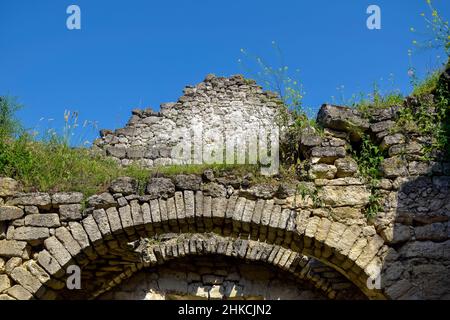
x=142, y=53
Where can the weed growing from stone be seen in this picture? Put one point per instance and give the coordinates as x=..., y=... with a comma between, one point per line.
x=369, y=158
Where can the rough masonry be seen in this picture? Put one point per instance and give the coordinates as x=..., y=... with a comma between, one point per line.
x=210, y=115
x=198, y=236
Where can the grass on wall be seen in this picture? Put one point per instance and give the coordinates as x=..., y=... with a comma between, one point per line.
x=51, y=163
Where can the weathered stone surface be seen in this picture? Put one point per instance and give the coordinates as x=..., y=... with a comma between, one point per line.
x=391, y=140
x=70, y=212
x=31, y=233
x=12, y=263
x=49, y=220
x=214, y=190
x=394, y=167
x=57, y=250
x=26, y=279
x=327, y=154
x=136, y=214
x=124, y=185
x=357, y=248
x=48, y=262
x=412, y=147
x=382, y=126
x=334, y=236
x=346, y=167
x=37, y=271
x=8, y=187
x=125, y=217
x=369, y=251
x=10, y=213
x=189, y=201
x=19, y=292
x=66, y=238
x=433, y=232
x=441, y=182
x=347, y=181
x=4, y=297
x=79, y=234
x=347, y=240
x=118, y=152
x=92, y=229
x=344, y=195
x=426, y=249
x=310, y=139
x=419, y=168
x=5, y=282
x=114, y=218
x=262, y=191
x=32, y=199
x=67, y=197
x=12, y=248
x=104, y=200
x=343, y=119
x=187, y=182
x=160, y=188
x=397, y=234
x=322, y=171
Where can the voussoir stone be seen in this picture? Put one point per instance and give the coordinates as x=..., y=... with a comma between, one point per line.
x=57, y=250
x=8, y=187
x=31, y=233
x=26, y=279
x=66, y=238
x=10, y=213
x=394, y=167
x=70, y=212
x=322, y=171
x=262, y=191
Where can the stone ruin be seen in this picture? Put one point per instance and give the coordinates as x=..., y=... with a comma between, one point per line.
x=210, y=115
x=222, y=236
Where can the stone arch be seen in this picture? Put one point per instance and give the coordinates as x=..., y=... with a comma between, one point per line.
x=275, y=222
x=175, y=247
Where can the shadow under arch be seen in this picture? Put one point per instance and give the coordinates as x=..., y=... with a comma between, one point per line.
x=309, y=273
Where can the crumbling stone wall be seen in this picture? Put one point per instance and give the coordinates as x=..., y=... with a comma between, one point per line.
x=212, y=113
x=415, y=196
